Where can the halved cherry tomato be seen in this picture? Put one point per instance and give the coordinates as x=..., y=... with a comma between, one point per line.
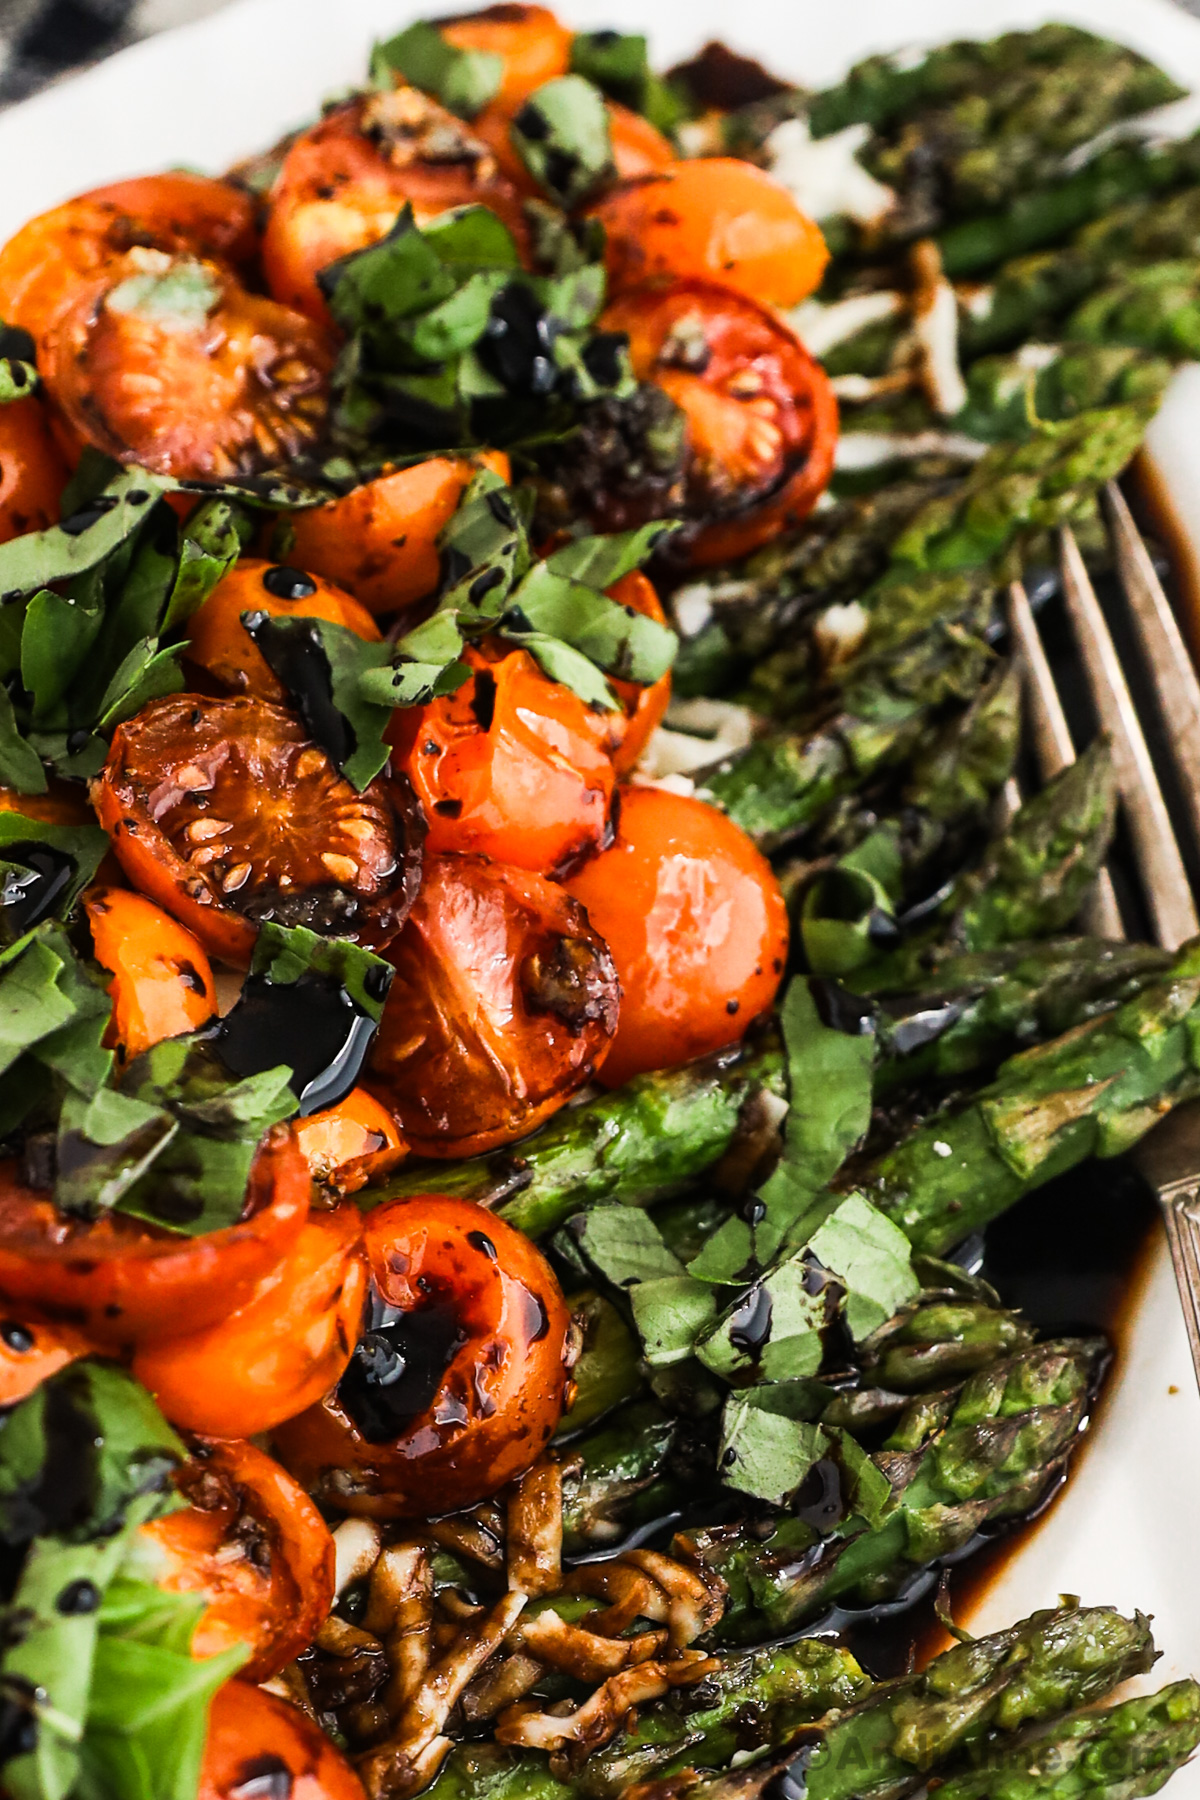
x=30, y=1354
x=227, y=813
x=536, y=46
x=162, y=984
x=504, y=1002
x=343, y=183
x=219, y=643
x=761, y=415
x=459, y=1379
x=697, y=927
x=169, y=362
x=276, y=1353
x=260, y=1746
x=46, y=265
x=254, y=1545
x=351, y=1143
x=123, y=1281
x=380, y=541
x=512, y=765
x=717, y=218
x=644, y=706
x=32, y=471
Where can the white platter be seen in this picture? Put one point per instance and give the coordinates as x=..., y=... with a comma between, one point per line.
x=1125, y=1530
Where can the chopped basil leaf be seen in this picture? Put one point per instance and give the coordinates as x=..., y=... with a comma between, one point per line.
x=322, y=666
x=18, y=379
x=43, y=870
x=563, y=137
x=622, y=642
x=463, y=80
x=617, y=62
x=623, y=1244
x=670, y=1313
x=766, y=1453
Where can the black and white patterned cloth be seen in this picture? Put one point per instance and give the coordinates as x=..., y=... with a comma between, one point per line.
x=42, y=40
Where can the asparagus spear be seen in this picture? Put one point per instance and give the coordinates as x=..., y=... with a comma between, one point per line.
x=643, y=1143
x=1125, y=1751
x=618, y=1476
x=955, y=1462
x=1056, y=381
x=1154, y=308
x=1093, y=1092
x=780, y=1689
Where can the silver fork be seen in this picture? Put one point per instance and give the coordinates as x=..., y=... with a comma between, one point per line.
x=1170, y=1156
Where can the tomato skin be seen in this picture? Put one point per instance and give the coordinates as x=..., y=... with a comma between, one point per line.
x=219, y=643
x=502, y=1315
x=30, y=1354
x=215, y=806
x=380, y=541
x=44, y=267
x=32, y=470
x=644, y=706
x=715, y=217
x=351, y=1143
x=238, y=384
x=761, y=415
x=697, y=927
x=278, y=1352
x=251, y=1733
x=503, y=1003
x=273, y=1596
x=536, y=46
x=121, y=1281
x=513, y=766
x=344, y=182
x=162, y=983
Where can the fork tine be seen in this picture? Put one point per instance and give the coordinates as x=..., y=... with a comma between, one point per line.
x=1175, y=678
x=1164, y=877
x=1053, y=746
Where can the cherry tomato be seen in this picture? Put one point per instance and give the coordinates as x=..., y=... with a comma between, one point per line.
x=535, y=46
x=123, y=1281
x=344, y=182
x=380, y=542
x=717, y=218
x=169, y=362
x=513, y=765
x=30, y=1354
x=52, y=258
x=278, y=1352
x=459, y=1379
x=696, y=924
x=504, y=1002
x=162, y=984
x=351, y=1143
x=761, y=415
x=259, y=1745
x=227, y=813
x=254, y=1545
x=219, y=643
x=32, y=471
x=644, y=706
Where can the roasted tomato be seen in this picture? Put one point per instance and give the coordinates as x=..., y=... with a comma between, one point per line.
x=717, y=218
x=227, y=813
x=162, y=984
x=45, y=267
x=459, y=1379
x=513, y=765
x=219, y=643
x=351, y=1143
x=279, y=1351
x=504, y=1002
x=260, y=1746
x=644, y=706
x=122, y=1281
x=169, y=362
x=254, y=1545
x=344, y=182
x=30, y=1354
x=32, y=471
x=535, y=46
x=696, y=924
x=380, y=542
x=761, y=416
